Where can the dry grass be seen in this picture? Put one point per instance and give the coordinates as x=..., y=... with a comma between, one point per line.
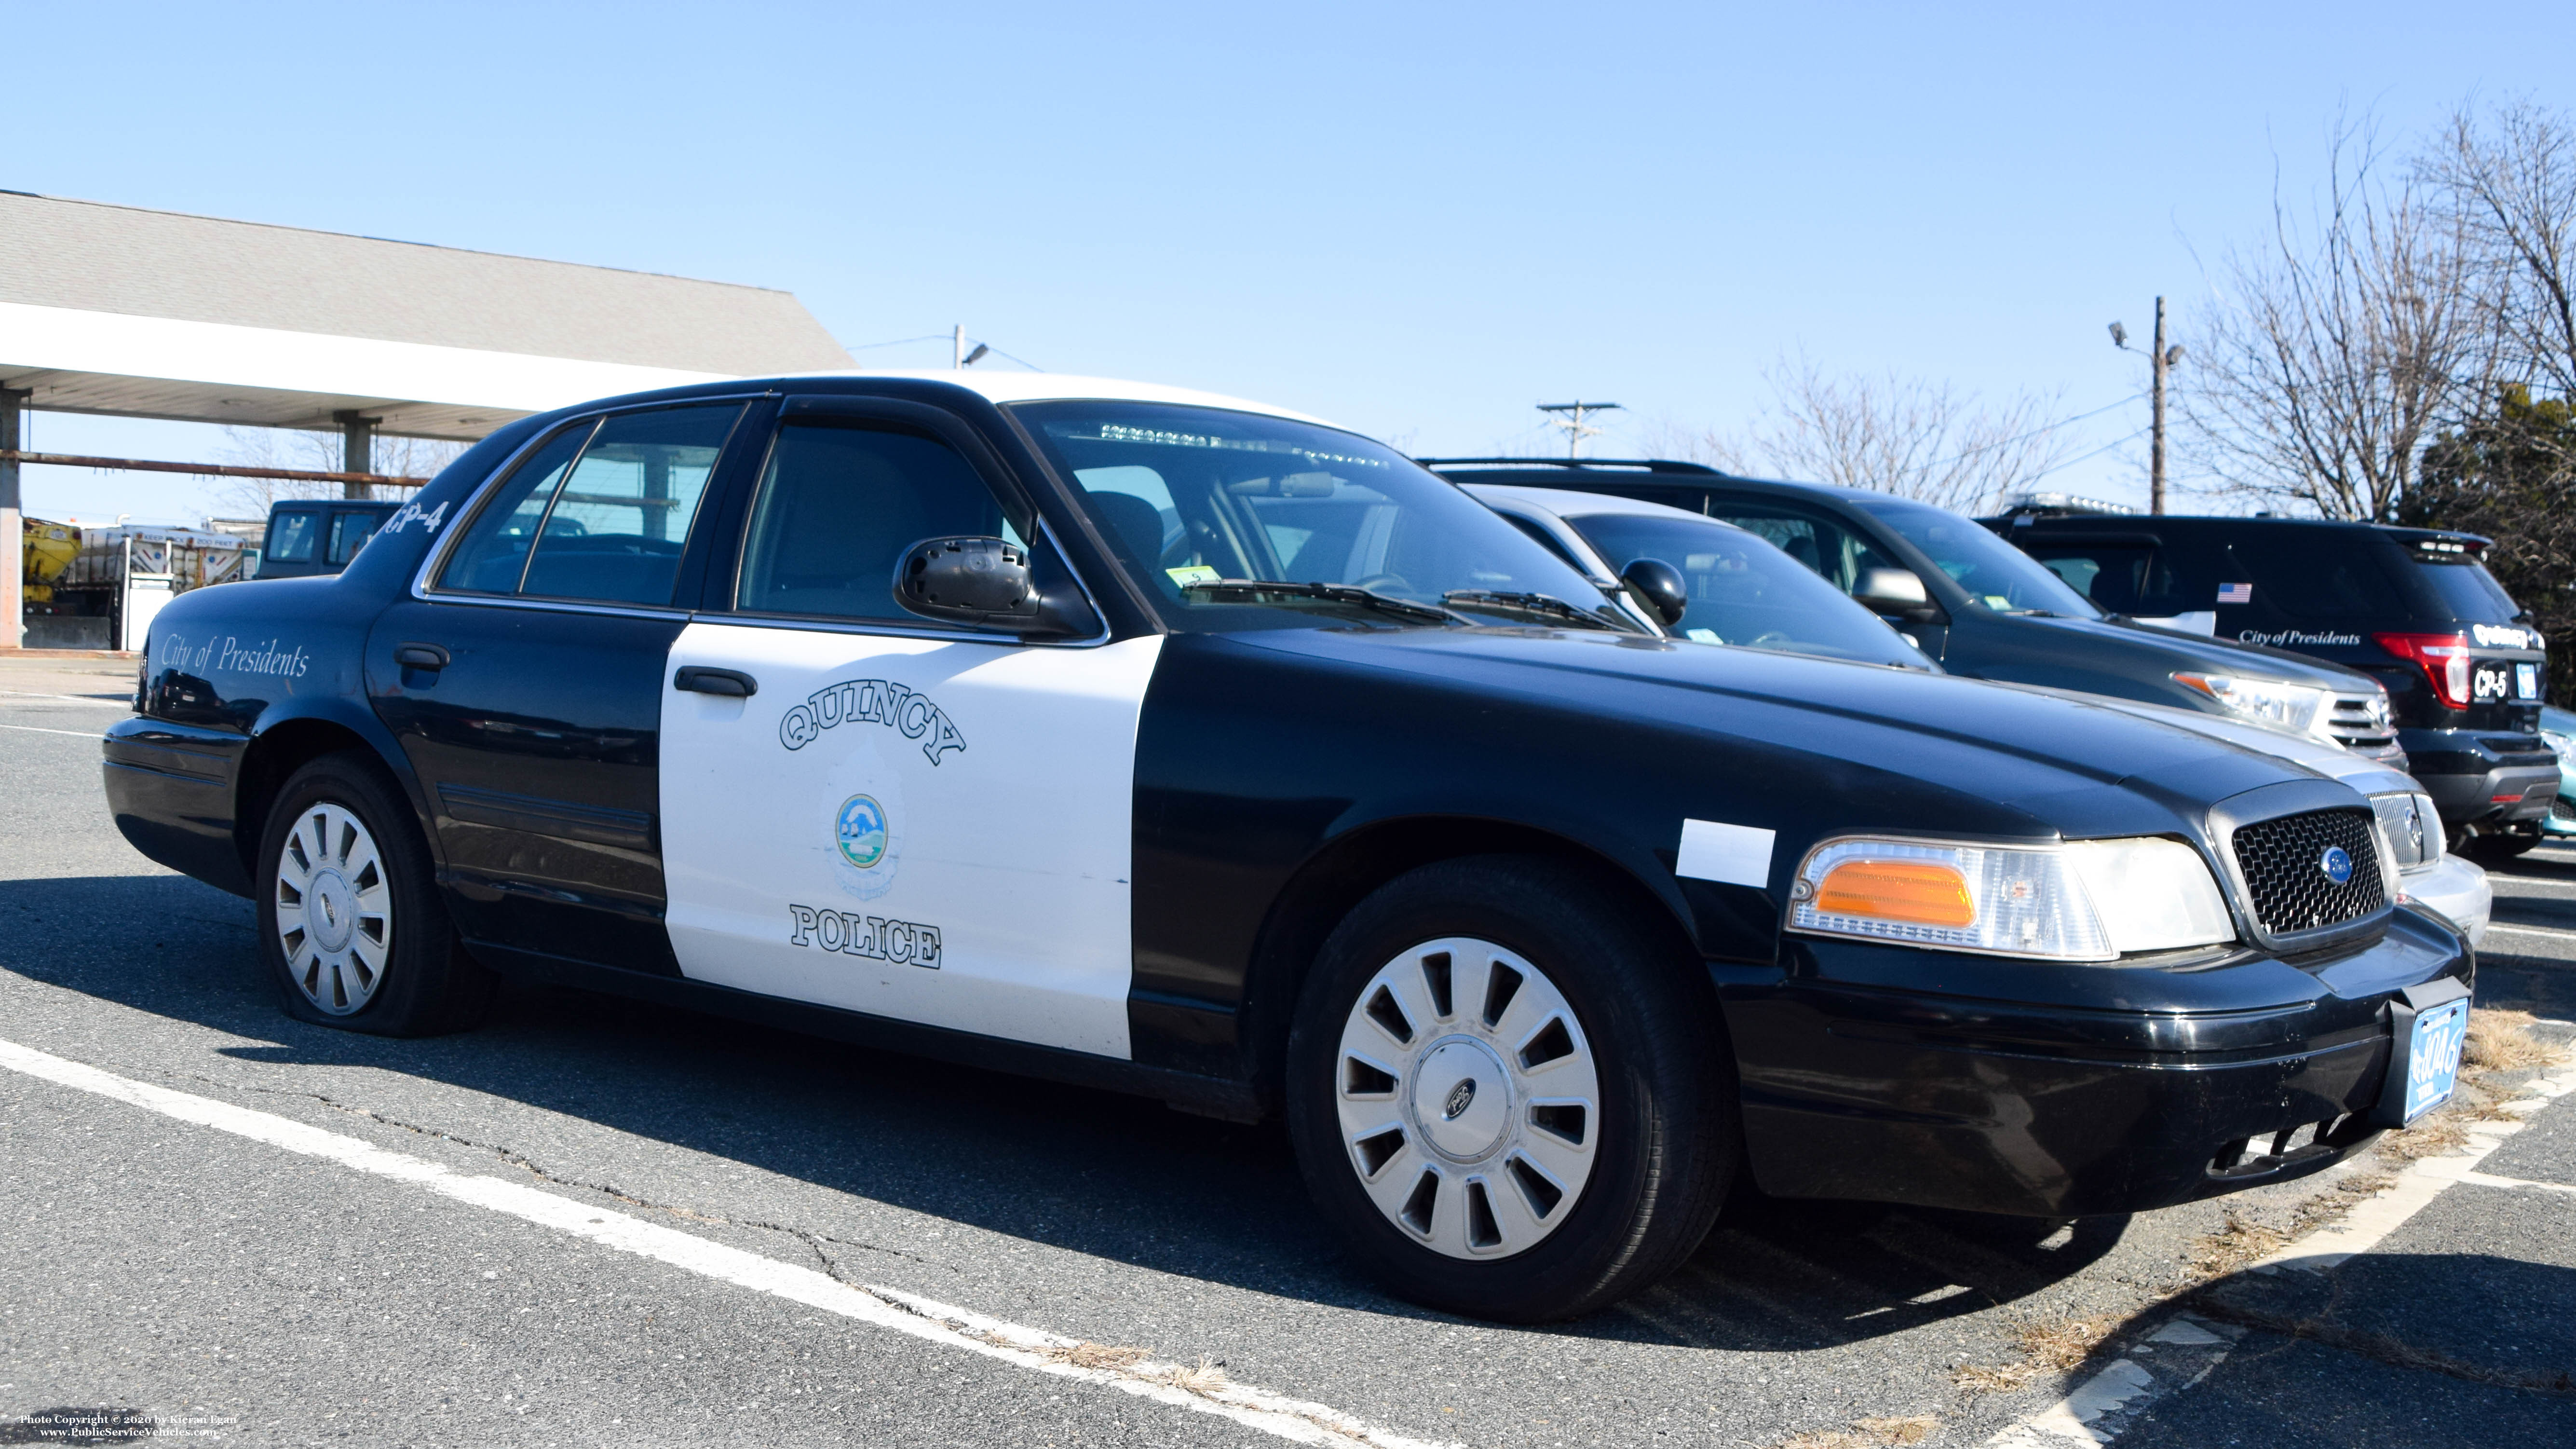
x=2438, y=1135
x=2240, y=1244
x=1205, y=1378
x=1869, y=1434
x=2048, y=1345
x=2502, y=1041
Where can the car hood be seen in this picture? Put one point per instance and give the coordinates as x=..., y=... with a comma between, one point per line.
x=2306, y=751
x=2045, y=758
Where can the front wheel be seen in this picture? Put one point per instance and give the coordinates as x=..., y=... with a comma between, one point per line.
x=350, y=922
x=1513, y=1101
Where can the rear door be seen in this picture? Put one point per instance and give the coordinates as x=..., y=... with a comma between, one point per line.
x=525, y=684
x=904, y=818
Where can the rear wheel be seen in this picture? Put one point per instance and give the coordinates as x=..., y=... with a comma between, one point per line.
x=1514, y=1102
x=2498, y=847
x=349, y=917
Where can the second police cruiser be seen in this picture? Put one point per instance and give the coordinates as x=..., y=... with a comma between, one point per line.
x=1131, y=736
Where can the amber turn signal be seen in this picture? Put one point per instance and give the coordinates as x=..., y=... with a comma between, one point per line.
x=1917, y=892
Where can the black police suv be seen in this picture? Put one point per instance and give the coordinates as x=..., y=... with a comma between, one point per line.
x=319, y=536
x=1130, y=736
x=1980, y=610
x=2413, y=608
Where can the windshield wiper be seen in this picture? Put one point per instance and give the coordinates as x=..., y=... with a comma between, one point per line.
x=1540, y=606
x=1329, y=593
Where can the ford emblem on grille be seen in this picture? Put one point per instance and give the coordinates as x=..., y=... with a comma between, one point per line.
x=2335, y=864
x=1459, y=1096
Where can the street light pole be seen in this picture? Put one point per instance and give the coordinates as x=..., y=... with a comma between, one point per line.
x=2161, y=361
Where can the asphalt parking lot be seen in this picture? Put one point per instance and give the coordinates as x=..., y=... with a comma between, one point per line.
x=593, y=1221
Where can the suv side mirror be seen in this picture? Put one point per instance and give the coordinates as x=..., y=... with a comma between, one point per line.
x=1660, y=586
x=969, y=580
x=1894, y=591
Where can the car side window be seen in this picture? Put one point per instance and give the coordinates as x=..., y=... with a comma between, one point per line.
x=291, y=535
x=840, y=502
x=350, y=530
x=598, y=513
x=2124, y=577
x=1821, y=543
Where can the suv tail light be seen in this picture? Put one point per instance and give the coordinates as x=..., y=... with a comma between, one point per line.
x=2444, y=659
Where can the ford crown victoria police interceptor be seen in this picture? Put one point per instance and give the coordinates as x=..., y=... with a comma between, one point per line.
x=1130, y=736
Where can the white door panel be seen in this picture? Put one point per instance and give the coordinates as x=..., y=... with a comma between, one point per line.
x=933, y=831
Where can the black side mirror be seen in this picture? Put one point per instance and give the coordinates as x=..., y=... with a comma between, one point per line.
x=1894, y=591
x=983, y=581
x=1660, y=586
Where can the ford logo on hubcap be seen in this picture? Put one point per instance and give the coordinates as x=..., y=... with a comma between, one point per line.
x=2336, y=865
x=1459, y=1096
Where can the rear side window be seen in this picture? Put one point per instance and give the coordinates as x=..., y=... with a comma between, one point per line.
x=838, y=507
x=598, y=514
x=2471, y=593
x=291, y=535
x=350, y=531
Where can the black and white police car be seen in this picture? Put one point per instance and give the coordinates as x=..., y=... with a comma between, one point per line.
x=1130, y=736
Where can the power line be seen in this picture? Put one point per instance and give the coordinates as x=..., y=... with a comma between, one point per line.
x=898, y=342
x=2096, y=453
x=2033, y=433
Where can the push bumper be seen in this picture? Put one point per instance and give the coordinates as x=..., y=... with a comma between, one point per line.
x=1893, y=1075
x=2487, y=780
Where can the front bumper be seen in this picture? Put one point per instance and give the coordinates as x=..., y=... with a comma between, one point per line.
x=1894, y=1075
x=2458, y=891
x=2482, y=779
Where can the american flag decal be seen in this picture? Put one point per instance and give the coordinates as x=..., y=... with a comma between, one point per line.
x=2235, y=593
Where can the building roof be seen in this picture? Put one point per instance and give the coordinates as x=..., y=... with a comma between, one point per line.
x=122, y=310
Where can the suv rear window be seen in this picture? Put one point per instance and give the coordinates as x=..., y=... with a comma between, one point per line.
x=2327, y=576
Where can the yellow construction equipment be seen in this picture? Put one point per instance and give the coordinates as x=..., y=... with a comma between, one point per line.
x=49, y=549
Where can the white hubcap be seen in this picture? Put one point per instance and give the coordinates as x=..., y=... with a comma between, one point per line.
x=1468, y=1098
x=334, y=909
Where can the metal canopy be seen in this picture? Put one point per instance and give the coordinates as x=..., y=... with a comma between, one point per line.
x=113, y=309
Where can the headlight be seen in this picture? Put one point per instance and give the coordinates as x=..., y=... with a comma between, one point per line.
x=2412, y=827
x=2559, y=744
x=2091, y=900
x=2294, y=707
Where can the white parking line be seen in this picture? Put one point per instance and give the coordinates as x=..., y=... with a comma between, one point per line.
x=1027, y=1348
x=125, y=702
x=2363, y=1228
x=34, y=730
x=2545, y=933
x=2489, y=1179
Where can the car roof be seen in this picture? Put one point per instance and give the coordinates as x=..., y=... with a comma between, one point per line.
x=2117, y=523
x=1570, y=503
x=1006, y=387
x=1655, y=472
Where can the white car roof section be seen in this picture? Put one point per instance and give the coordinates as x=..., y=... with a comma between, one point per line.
x=1572, y=503
x=1010, y=387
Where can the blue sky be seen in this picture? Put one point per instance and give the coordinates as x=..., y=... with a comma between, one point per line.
x=1417, y=220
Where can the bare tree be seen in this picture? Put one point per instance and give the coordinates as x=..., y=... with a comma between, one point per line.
x=314, y=452
x=2333, y=352
x=2511, y=184
x=1908, y=436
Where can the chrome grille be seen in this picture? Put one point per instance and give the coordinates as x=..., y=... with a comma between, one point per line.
x=2285, y=882
x=2360, y=721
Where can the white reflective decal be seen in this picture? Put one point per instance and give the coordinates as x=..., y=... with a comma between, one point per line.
x=1735, y=854
x=928, y=830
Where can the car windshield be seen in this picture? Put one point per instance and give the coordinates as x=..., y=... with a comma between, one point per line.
x=1995, y=574
x=1744, y=591
x=1191, y=497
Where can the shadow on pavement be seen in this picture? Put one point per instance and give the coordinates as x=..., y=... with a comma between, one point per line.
x=2395, y=1350
x=1092, y=1172
x=2521, y=972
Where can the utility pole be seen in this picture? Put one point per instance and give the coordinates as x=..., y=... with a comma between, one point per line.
x=1570, y=417
x=957, y=349
x=2161, y=361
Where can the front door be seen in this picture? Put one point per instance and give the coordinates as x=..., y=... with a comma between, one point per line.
x=920, y=822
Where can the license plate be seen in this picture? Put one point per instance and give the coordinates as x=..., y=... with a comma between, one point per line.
x=2492, y=683
x=2526, y=683
x=2433, y=1056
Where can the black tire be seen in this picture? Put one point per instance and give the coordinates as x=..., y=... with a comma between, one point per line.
x=1667, y=1141
x=2497, y=849
x=425, y=985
